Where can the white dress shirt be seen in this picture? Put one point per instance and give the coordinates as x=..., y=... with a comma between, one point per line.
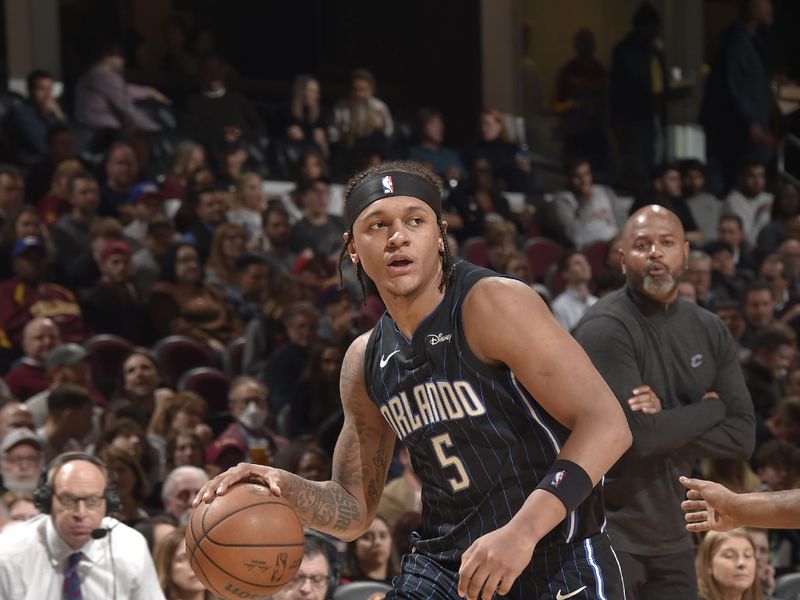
x=33, y=559
x=569, y=306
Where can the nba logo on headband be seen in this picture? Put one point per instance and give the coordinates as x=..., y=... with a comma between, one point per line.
x=388, y=184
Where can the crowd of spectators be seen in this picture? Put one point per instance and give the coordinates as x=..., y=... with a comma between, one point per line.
x=168, y=308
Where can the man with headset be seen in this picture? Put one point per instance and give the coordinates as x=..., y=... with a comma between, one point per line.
x=68, y=552
x=318, y=575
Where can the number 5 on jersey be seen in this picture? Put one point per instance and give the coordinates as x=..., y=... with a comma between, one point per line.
x=440, y=443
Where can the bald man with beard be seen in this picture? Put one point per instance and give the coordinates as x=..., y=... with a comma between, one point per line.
x=673, y=366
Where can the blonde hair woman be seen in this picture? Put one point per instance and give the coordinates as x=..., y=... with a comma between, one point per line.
x=726, y=567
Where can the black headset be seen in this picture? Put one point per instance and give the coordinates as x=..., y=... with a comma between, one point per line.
x=334, y=563
x=44, y=492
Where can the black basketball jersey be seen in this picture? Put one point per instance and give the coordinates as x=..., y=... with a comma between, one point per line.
x=478, y=440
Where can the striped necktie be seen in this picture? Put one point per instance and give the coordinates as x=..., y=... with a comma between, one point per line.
x=72, y=583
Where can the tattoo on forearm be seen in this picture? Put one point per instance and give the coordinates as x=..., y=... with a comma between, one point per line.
x=322, y=504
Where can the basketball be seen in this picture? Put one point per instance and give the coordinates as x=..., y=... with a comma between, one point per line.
x=245, y=544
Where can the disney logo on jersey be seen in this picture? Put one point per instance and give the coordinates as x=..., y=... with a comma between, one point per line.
x=439, y=338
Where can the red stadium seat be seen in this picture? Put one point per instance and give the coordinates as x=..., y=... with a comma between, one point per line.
x=596, y=255
x=107, y=353
x=178, y=353
x=212, y=385
x=542, y=254
x=474, y=250
x=234, y=356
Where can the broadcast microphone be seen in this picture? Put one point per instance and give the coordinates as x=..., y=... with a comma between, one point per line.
x=99, y=534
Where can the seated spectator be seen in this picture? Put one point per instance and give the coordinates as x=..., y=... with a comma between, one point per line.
x=286, y=364
x=12, y=191
x=500, y=238
x=773, y=349
x=313, y=579
x=730, y=312
x=71, y=231
x=21, y=460
x=132, y=484
x=278, y=236
x=13, y=415
x=730, y=230
x=20, y=507
x=141, y=382
x=585, y=212
x=765, y=571
x=121, y=169
x=83, y=271
x=758, y=308
x=128, y=435
x=509, y=162
x=114, y=305
x=180, y=488
x=699, y=274
x=315, y=398
x=402, y=494
x=69, y=420
x=732, y=473
x=479, y=202
x=371, y=556
x=782, y=424
x=777, y=465
x=25, y=222
x=686, y=291
x=227, y=246
x=184, y=448
x=146, y=261
x=233, y=160
x=785, y=208
x=569, y=306
x=56, y=203
x=105, y=101
x=250, y=287
x=220, y=115
x=726, y=567
x=182, y=304
x=28, y=295
x=726, y=281
x=704, y=206
x=28, y=378
x=249, y=202
x=362, y=120
x=248, y=404
x=337, y=324
x=145, y=206
x=772, y=272
x=430, y=150
x=188, y=158
x=306, y=121
x=207, y=208
x=30, y=120
x=318, y=230
x=305, y=459
x=517, y=265
x=175, y=575
x=750, y=200
x=184, y=410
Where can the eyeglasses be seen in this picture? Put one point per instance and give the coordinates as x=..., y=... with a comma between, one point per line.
x=71, y=502
x=21, y=460
x=315, y=581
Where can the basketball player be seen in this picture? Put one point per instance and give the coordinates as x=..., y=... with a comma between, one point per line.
x=509, y=426
x=711, y=506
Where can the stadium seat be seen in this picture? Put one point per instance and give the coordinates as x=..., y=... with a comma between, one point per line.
x=542, y=253
x=107, y=353
x=474, y=251
x=596, y=255
x=360, y=590
x=787, y=587
x=212, y=385
x=178, y=353
x=234, y=356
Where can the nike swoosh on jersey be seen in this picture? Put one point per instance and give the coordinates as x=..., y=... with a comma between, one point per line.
x=385, y=359
x=559, y=596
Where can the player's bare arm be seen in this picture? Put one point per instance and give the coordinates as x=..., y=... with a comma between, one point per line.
x=346, y=505
x=554, y=369
x=711, y=506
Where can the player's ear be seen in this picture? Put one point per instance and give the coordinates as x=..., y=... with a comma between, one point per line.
x=351, y=247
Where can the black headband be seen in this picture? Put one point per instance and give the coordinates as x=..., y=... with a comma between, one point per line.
x=387, y=185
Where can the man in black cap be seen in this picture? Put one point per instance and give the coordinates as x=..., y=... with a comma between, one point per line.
x=509, y=426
